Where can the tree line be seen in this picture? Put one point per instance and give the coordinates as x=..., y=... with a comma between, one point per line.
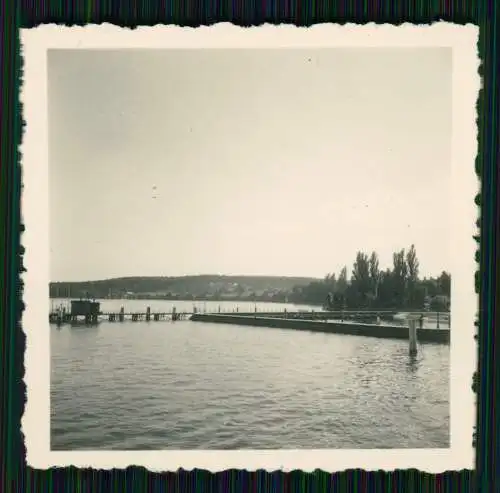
x=370, y=287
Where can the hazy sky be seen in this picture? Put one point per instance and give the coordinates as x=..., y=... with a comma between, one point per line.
x=278, y=162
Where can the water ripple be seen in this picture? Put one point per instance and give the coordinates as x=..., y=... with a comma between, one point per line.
x=187, y=385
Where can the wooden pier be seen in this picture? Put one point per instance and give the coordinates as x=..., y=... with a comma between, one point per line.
x=66, y=318
x=88, y=312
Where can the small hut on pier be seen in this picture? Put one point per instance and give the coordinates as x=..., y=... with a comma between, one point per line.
x=85, y=308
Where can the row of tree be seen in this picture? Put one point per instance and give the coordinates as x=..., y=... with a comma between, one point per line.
x=370, y=287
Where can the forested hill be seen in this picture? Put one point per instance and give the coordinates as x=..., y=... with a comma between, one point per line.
x=203, y=286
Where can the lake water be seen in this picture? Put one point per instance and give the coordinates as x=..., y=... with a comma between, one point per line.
x=188, y=385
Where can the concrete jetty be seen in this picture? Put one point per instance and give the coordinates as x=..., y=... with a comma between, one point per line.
x=437, y=336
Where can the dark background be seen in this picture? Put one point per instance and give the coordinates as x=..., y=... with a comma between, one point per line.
x=15, y=475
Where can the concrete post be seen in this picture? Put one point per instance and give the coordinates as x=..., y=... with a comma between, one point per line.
x=412, y=336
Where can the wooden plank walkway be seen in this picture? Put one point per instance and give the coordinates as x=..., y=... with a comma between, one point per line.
x=57, y=317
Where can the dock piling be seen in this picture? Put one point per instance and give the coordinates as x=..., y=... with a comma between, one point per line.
x=412, y=336
x=122, y=314
x=148, y=314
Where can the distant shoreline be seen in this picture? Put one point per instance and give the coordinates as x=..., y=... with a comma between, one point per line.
x=192, y=300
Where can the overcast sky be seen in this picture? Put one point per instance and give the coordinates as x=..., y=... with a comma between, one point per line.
x=273, y=162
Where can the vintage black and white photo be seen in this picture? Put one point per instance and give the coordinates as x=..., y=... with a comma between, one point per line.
x=252, y=247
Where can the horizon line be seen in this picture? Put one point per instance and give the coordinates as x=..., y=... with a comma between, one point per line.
x=193, y=275
x=219, y=275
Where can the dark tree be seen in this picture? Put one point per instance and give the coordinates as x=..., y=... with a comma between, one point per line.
x=342, y=282
x=361, y=284
x=412, y=276
x=444, y=284
x=374, y=275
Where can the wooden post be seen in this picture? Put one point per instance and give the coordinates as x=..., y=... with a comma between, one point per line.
x=174, y=315
x=438, y=320
x=412, y=336
x=122, y=314
x=148, y=314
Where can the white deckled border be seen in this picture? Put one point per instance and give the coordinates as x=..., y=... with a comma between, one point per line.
x=35, y=211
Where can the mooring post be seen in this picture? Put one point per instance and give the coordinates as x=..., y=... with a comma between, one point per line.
x=437, y=319
x=412, y=336
x=174, y=315
x=148, y=314
x=122, y=314
x=284, y=311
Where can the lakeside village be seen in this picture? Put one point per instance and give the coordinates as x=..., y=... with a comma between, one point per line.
x=370, y=302
x=367, y=288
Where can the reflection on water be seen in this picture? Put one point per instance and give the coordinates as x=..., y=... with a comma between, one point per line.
x=188, y=385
